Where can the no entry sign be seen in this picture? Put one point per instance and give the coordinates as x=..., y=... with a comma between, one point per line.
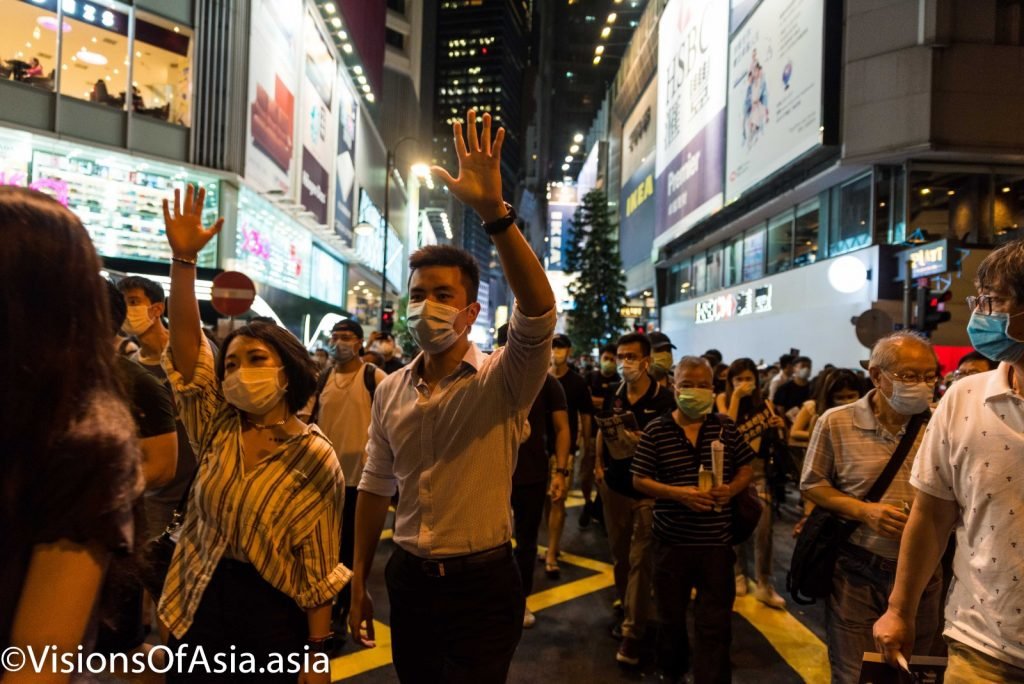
x=232, y=293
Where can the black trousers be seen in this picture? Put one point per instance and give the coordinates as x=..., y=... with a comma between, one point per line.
x=240, y=609
x=339, y=610
x=677, y=570
x=528, y=510
x=461, y=628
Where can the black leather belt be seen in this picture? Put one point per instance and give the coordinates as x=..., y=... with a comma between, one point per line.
x=872, y=559
x=445, y=567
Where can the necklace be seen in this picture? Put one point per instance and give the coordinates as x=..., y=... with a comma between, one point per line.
x=268, y=425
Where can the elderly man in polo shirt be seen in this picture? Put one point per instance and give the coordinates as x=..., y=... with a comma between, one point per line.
x=444, y=432
x=849, y=449
x=969, y=479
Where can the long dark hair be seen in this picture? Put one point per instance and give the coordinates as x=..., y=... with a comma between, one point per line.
x=300, y=370
x=55, y=350
x=838, y=380
x=755, y=400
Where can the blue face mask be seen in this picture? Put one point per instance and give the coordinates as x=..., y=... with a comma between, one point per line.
x=989, y=335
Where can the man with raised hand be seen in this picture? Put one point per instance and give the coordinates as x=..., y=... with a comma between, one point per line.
x=444, y=432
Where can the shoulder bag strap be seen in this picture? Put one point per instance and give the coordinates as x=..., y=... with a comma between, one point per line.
x=898, y=457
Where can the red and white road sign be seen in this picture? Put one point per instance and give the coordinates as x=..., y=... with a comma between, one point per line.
x=233, y=293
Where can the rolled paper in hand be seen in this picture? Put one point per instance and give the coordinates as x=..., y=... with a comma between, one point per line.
x=718, y=464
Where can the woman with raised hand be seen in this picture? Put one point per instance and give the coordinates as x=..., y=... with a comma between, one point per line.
x=255, y=568
x=69, y=466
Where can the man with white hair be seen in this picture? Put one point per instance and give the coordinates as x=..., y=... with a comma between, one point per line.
x=850, y=447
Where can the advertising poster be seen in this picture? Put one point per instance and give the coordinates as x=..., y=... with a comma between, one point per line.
x=319, y=72
x=345, y=161
x=636, y=201
x=327, y=282
x=273, y=91
x=739, y=10
x=638, y=131
x=270, y=247
x=692, y=59
x=775, y=72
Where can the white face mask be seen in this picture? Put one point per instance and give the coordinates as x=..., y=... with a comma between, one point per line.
x=343, y=352
x=432, y=325
x=630, y=371
x=254, y=390
x=909, y=399
x=137, y=320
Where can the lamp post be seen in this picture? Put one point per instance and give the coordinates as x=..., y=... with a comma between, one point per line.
x=390, y=167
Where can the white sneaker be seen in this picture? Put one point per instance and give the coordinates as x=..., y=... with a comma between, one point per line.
x=766, y=594
x=741, y=585
x=529, y=619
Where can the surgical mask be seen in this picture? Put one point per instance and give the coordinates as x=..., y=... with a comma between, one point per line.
x=254, y=390
x=695, y=402
x=630, y=371
x=559, y=356
x=608, y=368
x=909, y=399
x=137, y=320
x=803, y=373
x=662, y=360
x=990, y=335
x=432, y=325
x=343, y=353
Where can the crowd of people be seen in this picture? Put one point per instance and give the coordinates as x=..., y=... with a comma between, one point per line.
x=231, y=494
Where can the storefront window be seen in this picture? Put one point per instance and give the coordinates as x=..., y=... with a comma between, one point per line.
x=699, y=274
x=851, y=227
x=805, y=238
x=28, y=42
x=95, y=53
x=753, y=254
x=733, y=262
x=679, y=285
x=162, y=73
x=1007, y=208
x=780, y=243
x=715, y=268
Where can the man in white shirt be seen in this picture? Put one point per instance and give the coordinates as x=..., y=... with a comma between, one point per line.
x=445, y=431
x=969, y=480
x=342, y=411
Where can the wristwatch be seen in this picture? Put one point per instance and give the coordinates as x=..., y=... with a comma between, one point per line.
x=502, y=224
x=563, y=471
x=324, y=644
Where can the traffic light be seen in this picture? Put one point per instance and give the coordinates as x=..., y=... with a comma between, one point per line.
x=931, y=309
x=387, y=319
x=640, y=328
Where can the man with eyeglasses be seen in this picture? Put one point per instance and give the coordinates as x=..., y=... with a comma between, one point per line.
x=849, y=448
x=968, y=480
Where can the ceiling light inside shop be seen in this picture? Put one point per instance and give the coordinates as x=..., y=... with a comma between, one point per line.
x=50, y=24
x=94, y=58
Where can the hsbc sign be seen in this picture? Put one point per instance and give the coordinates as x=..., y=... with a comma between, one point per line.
x=735, y=304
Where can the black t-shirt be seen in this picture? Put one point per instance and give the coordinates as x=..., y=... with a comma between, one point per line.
x=81, y=490
x=602, y=387
x=791, y=395
x=577, y=398
x=393, y=364
x=150, y=404
x=656, y=402
x=532, y=464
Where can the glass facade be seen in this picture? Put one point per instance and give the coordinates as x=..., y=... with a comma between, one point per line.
x=98, y=55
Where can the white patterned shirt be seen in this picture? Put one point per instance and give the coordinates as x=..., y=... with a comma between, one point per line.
x=284, y=516
x=451, y=452
x=973, y=454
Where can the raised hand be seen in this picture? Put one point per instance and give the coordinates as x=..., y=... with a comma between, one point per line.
x=185, y=232
x=479, y=181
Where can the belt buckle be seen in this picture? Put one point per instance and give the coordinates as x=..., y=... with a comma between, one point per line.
x=433, y=568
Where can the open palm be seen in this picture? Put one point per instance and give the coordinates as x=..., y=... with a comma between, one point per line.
x=185, y=232
x=479, y=182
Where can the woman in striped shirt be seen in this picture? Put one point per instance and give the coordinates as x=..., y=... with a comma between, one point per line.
x=256, y=564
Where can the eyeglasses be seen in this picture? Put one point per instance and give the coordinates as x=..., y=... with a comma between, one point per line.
x=914, y=378
x=983, y=303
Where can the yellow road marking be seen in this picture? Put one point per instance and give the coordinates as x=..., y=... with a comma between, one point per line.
x=364, y=659
x=797, y=645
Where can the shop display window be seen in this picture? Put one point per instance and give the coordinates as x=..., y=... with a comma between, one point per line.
x=805, y=236
x=28, y=42
x=851, y=228
x=780, y=243
x=162, y=70
x=1007, y=208
x=733, y=262
x=94, y=53
x=679, y=285
x=699, y=274
x=715, y=268
x=753, y=254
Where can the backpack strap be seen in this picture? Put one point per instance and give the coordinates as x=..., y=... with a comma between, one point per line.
x=325, y=374
x=898, y=457
x=370, y=379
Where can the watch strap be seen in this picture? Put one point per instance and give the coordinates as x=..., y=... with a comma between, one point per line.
x=501, y=225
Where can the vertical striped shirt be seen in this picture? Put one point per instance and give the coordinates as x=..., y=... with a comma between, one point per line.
x=666, y=455
x=848, y=450
x=284, y=516
x=451, y=451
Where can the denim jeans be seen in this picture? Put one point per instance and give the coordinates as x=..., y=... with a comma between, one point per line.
x=860, y=595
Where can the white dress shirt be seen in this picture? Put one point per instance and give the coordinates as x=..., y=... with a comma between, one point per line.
x=451, y=452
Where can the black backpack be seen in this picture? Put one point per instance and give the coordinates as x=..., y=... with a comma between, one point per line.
x=369, y=381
